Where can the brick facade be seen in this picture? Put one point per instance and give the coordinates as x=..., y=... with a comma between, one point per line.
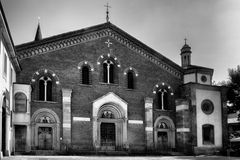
x=62, y=59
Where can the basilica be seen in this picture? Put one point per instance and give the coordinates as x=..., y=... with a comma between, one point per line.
x=99, y=89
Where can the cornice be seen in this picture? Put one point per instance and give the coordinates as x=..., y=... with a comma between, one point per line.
x=24, y=52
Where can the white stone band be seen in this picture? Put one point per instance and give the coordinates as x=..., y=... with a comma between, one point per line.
x=149, y=129
x=86, y=119
x=183, y=130
x=182, y=107
x=135, y=121
x=66, y=125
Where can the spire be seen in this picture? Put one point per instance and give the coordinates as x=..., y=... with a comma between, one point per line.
x=107, y=12
x=186, y=54
x=38, y=35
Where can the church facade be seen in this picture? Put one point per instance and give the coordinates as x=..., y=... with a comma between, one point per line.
x=100, y=89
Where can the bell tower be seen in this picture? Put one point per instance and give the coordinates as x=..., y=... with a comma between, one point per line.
x=186, y=55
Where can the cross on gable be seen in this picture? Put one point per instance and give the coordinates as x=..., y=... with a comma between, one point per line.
x=185, y=39
x=108, y=43
x=107, y=12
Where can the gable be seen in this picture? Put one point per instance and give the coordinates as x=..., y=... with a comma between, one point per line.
x=96, y=32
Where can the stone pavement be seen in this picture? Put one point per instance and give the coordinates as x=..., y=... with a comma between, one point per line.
x=120, y=158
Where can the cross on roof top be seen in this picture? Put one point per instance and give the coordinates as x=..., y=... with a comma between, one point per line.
x=107, y=12
x=185, y=39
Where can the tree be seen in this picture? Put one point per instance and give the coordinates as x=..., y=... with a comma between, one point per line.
x=233, y=94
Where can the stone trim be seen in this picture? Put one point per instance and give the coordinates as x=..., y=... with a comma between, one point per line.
x=68, y=42
x=183, y=129
x=84, y=119
x=149, y=129
x=135, y=121
x=182, y=107
x=232, y=120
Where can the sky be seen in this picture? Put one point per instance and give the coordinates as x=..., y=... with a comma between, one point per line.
x=212, y=27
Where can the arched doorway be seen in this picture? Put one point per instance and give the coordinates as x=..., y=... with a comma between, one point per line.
x=45, y=130
x=110, y=123
x=110, y=127
x=164, y=134
x=4, y=129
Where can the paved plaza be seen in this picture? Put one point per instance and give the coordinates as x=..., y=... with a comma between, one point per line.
x=120, y=158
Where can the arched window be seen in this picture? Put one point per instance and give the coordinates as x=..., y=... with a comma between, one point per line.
x=20, y=102
x=130, y=80
x=85, y=75
x=45, y=89
x=208, y=134
x=162, y=96
x=108, y=71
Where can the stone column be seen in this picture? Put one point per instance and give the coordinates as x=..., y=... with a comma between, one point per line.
x=149, y=122
x=66, y=94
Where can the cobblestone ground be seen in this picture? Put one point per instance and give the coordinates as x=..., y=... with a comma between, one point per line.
x=119, y=158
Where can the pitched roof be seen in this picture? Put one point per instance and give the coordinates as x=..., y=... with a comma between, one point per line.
x=64, y=40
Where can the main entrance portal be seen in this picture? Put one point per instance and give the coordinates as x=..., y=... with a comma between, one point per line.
x=108, y=136
x=110, y=123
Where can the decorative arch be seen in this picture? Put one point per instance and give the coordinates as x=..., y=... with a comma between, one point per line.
x=85, y=69
x=104, y=57
x=38, y=81
x=164, y=85
x=42, y=72
x=45, y=121
x=166, y=120
x=130, y=69
x=163, y=96
x=83, y=63
x=116, y=111
x=164, y=136
x=45, y=111
x=131, y=75
x=109, y=68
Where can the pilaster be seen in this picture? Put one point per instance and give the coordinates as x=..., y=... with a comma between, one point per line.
x=149, y=122
x=66, y=101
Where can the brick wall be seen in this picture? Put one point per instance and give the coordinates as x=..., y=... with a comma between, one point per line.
x=64, y=63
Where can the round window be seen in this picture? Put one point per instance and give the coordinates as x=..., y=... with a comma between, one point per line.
x=203, y=78
x=207, y=106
